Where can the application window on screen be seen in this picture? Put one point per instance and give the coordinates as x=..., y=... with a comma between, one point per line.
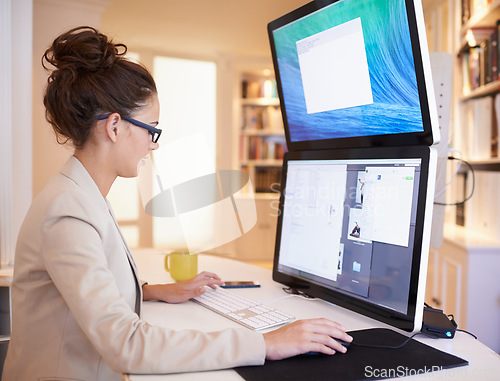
x=314, y=218
x=334, y=68
x=392, y=195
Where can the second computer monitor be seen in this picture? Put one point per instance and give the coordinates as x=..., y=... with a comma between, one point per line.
x=354, y=228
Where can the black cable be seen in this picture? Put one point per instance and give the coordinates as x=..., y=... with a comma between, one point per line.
x=472, y=189
x=462, y=330
x=386, y=346
x=431, y=308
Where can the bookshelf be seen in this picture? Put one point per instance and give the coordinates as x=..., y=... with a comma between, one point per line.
x=459, y=280
x=258, y=146
x=478, y=114
x=262, y=141
x=479, y=101
x=477, y=33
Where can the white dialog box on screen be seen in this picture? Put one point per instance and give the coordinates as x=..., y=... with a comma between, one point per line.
x=334, y=68
x=388, y=201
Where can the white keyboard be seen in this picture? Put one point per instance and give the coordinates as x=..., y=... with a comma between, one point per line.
x=245, y=311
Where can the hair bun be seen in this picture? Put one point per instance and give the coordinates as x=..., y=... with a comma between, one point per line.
x=83, y=48
x=91, y=78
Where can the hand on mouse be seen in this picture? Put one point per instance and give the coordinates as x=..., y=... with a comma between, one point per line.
x=303, y=336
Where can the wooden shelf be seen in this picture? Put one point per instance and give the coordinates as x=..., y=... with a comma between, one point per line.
x=251, y=132
x=487, y=17
x=488, y=89
x=260, y=102
x=259, y=196
x=486, y=165
x=262, y=163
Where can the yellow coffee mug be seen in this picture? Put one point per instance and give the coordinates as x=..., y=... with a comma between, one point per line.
x=181, y=264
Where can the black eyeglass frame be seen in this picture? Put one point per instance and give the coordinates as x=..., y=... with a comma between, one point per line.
x=155, y=132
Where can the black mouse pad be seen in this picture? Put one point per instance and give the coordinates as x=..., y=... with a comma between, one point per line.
x=359, y=363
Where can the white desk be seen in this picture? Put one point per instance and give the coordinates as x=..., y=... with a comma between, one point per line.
x=484, y=363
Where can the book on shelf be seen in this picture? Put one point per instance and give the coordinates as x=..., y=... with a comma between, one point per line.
x=267, y=179
x=474, y=64
x=262, y=118
x=252, y=117
x=479, y=59
x=458, y=194
x=258, y=88
x=264, y=179
x=493, y=54
x=465, y=11
x=479, y=128
x=486, y=64
x=243, y=152
x=264, y=147
x=495, y=129
x=466, y=73
x=255, y=144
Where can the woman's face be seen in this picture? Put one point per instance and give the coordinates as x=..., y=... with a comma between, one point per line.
x=138, y=142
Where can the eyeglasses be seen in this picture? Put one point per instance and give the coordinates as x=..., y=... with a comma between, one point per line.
x=154, y=132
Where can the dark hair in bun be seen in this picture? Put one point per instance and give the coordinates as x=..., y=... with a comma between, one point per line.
x=91, y=78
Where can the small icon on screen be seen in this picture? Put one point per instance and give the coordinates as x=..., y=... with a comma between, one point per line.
x=356, y=266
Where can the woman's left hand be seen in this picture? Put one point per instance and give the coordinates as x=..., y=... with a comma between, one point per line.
x=181, y=291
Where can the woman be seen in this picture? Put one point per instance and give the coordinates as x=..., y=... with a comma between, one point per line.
x=76, y=295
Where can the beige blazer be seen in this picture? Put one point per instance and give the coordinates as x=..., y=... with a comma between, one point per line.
x=76, y=299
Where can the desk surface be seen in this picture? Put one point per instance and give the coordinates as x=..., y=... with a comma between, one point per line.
x=484, y=363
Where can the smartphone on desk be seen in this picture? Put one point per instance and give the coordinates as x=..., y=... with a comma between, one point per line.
x=240, y=284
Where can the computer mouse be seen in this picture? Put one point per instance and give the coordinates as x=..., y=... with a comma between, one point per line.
x=344, y=343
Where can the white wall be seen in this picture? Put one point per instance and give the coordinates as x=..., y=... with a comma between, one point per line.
x=51, y=18
x=22, y=84
x=16, y=17
x=29, y=154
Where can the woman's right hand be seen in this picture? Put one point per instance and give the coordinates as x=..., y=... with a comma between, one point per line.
x=181, y=291
x=303, y=336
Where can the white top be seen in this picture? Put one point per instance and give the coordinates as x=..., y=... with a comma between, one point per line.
x=77, y=297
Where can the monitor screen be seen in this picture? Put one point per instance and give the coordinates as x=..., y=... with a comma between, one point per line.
x=351, y=229
x=354, y=73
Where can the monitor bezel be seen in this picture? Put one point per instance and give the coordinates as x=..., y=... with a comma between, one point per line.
x=411, y=321
x=430, y=134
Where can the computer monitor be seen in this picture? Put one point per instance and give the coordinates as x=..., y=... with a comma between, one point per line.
x=354, y=73
x=354, y=229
